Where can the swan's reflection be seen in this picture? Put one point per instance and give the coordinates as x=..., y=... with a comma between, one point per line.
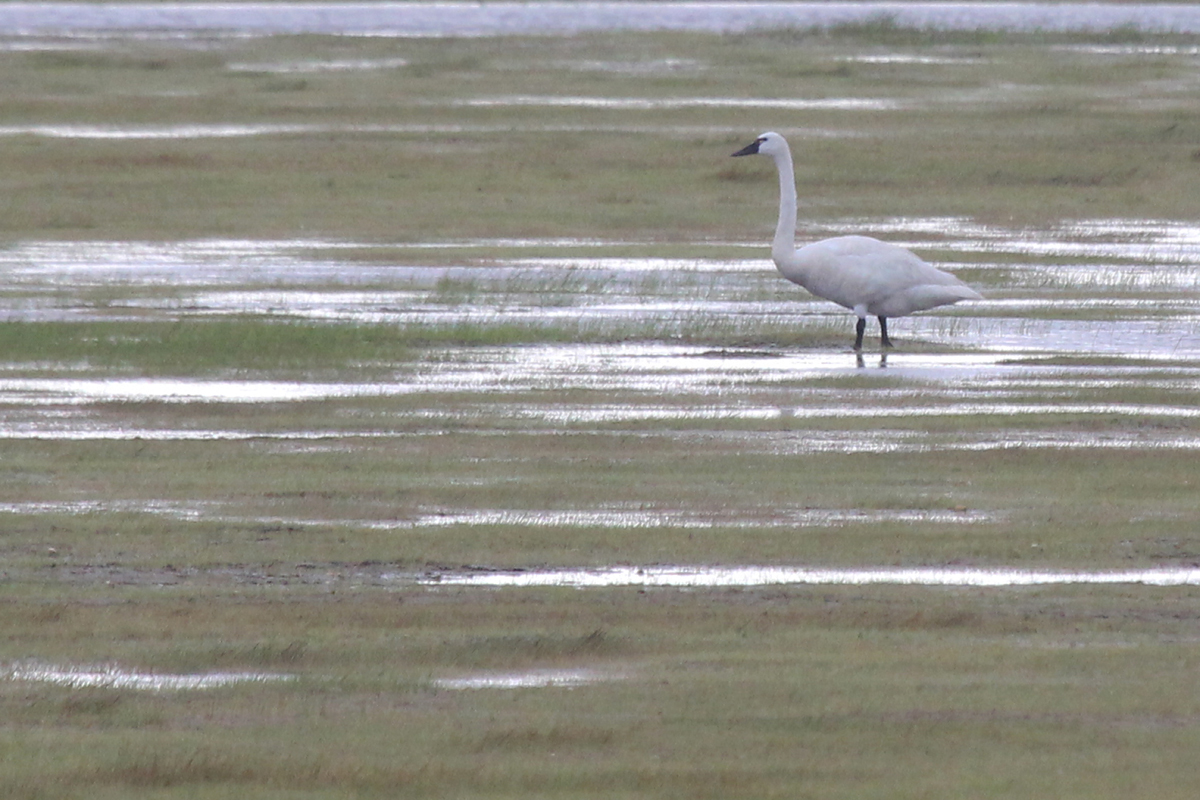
x=862, y=363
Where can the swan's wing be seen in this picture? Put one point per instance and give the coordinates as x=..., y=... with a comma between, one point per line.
x=858, y=271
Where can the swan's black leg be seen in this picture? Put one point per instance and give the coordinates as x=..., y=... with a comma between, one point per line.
x=883, y=337
x=862, y=326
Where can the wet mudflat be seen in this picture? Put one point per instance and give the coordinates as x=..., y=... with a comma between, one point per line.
x=459, y=433
x=1055, y=351
x=1061, y=357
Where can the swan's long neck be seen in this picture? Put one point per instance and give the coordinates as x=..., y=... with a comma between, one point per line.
x=784, y=244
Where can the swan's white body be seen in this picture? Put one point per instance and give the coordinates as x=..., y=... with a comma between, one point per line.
x=865, y=275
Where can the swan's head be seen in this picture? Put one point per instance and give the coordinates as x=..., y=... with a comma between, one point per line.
x=767, y=144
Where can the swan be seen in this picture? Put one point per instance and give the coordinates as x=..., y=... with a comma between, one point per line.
x=865, y=275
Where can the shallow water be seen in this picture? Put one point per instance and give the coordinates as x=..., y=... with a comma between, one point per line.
x=642, y=518
x=333, y=65
x=111, y=676
x=746, y=576
x=974, y=386
x=1135, y=294
x=1133, y=297
x=178, y=390
x=607, y=517
x=656, y=103
x=235, y=130
x=534, y=679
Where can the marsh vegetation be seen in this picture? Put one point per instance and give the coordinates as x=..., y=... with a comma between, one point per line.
x=292, y=326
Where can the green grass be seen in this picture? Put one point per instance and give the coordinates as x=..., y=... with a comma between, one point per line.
x=839, y=692
x=1062, y=509
x=1019, y=130
x=256, y=347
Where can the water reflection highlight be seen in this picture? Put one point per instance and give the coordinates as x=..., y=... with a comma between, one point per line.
x=745, y=576
x=534, y=679
x=111, y=676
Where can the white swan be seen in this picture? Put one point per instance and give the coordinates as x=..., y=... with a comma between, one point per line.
x=865, y=275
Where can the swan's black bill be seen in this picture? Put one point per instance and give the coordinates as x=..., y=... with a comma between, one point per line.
x=750, y=149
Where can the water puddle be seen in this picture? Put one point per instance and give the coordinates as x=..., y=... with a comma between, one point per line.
x=506, y=371
x=186, y=131
x=51, y=391
x=232, y=130
x=335, y=65
x=166, y=508
x=691, y=385
x=787, y=443
x=200, y=262
x=749, y=576
x=650, y=518
x=1165, y=241
x=654, y=67
x=634, y=413
x=370, y=575
x=665, y=103
x=85, y=429
x=48, y=45
x=1131, y=49
x=605, y=517
x=111, y=676
x=885, y=441
x=913, y=58
x=533, y=679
